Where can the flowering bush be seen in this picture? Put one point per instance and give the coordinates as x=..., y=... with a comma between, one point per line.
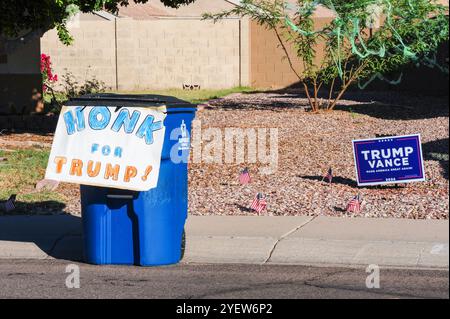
x=48, y=78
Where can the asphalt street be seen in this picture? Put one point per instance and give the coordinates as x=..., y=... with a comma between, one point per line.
x=47, y=279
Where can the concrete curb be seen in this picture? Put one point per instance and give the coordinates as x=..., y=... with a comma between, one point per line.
x=256, y=240
x=319, y=241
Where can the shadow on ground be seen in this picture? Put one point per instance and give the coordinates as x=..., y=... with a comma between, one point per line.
x=37, y=208
x=438, y=151
x=348, y=182
x=244, y=209
x=336, y=180
x=414, y=109
x=383, y=105
x=48, y=232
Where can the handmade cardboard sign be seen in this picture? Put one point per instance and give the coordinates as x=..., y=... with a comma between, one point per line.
x=389, y=160
x=108, y=147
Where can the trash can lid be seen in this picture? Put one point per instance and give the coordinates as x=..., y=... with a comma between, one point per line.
x=129, y=100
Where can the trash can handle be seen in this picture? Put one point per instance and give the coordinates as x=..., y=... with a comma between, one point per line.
x=115, y=196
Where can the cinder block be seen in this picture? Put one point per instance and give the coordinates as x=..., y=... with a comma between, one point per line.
x=173, y=52
x=167, y=61
x=148, y=60
x=191, y=52
x=146, y=42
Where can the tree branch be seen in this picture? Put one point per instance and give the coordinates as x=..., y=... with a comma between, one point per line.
x=291, y=65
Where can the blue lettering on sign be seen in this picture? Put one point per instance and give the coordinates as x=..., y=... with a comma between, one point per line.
x=124, y=119
x=389, y=160
x=94, y=148
x=99, y=118
x=106, y=150
x=118, y=152
x=74, y=121
x=147, y=128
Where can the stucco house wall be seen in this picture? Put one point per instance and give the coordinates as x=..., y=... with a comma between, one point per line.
x=19, y=77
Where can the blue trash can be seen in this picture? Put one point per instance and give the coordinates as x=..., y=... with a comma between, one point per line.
x=140, y=228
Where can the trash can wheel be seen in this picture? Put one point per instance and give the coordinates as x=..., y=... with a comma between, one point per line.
x=183, y=243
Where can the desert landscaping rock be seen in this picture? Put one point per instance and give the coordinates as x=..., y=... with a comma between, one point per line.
x=47, y=185
x=310, y=143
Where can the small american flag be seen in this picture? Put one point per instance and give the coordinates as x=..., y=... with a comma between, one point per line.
x=328, y=176
x=354, y=206
x=244, y=177
x=259, y=203
x=10, y=203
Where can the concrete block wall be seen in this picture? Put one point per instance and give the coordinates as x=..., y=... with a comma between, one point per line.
x=269, y=67
x=92, y=54
x=160, y=53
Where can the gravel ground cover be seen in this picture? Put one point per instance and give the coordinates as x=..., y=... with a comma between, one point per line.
x=311, y=143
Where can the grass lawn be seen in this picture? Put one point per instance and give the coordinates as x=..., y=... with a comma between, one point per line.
x=195, y=96
x=19, y=175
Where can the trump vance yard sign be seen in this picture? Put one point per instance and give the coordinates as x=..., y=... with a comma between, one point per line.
x=389, y=160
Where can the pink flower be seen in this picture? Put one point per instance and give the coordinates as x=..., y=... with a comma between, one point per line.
x=46, y=71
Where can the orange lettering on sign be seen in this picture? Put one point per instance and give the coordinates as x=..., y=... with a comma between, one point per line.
x=112, y=172
x=76, y=168
x=130, y=172
x=60, y=161
x=147, y=172
x=93, y=172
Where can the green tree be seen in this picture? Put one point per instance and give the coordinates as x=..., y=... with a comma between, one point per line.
x=36, y=17
x=366, y=39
